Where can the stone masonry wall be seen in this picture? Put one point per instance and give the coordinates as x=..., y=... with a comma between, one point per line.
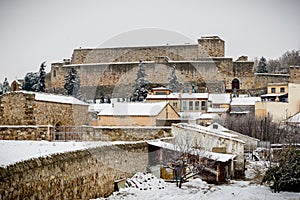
x=82, y=174
x=125, y=133
x=262, y=80
x=65, y=114
x=295, y=74
x=17, y=108
x=133, y=54
x=117, y=79
x=25, y=133
x=88, y=133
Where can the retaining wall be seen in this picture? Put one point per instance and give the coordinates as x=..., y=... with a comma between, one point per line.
x=82, y=174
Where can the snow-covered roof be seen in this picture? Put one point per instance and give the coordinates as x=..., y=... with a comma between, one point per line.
x=160, y=88
x=223, y=98
x=206, y=154
x=38, y=96
x=274, y=95
x=240, y=112
x=220, y=132
x=179, y=96
x=189, y=115
x=294, y=119
x=208, y=116
x=244, y=101
x=217, y=110
x=134, y=109
x=98, y=107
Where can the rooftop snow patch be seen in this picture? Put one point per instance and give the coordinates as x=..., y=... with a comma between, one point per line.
x=134, y=109
x=180, y=96
x=206, y=154
x=223, y=98
x=244, y=101
x=221, y=131
x=38, y=96
x=295, y=118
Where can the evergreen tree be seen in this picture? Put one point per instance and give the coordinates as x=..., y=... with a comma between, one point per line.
x=101, y=97
x=41, y=87
x=262, y=66
x=174, y=85
x=141, y=84
x=30, y=81
x=285, y=175
x=5, y=86
x=72, y=85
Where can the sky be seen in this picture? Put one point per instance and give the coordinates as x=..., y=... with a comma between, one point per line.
x=34, y=31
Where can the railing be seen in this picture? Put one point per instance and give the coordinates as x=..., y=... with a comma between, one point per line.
x=67, y=133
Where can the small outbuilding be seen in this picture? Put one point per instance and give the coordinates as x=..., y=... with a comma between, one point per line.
x=136, y=114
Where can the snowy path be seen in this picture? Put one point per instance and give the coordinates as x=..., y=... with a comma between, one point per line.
x=236, y=190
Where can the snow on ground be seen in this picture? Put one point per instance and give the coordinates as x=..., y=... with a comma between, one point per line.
x=196, y=189
x=12, y=151
x=147, y=186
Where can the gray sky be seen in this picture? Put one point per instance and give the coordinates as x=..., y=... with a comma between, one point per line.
x=34, y=31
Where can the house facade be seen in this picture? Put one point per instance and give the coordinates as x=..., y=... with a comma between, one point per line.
x=214, y=141
x=136, y=114
x=279, y=105
x=183, y=102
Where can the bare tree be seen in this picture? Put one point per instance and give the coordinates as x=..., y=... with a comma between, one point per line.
x=273, y=65
x=187, y=159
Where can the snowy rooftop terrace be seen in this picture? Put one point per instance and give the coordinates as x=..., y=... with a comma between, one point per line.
x=180, y=96
x=206, y=154
x=54, y=98
x=244, y=101
x=220, y=131
x=133, y=109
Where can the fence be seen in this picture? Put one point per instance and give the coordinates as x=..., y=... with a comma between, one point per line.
x=66, y=133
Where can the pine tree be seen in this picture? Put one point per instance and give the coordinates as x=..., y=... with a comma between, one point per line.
x=262, y=66
x=41, y=87
x=72, y=85
x=286, y=174
x=5, y=86
x=30, y=81
x=141, y=84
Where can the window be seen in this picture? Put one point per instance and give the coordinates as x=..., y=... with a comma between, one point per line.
x=161, y=93
x=184, y=105
x=196, y=105
x=273, y=90
x=54, y=73
x=203, y=105
x=282, y=90
x=191, y=105
x=175, y=104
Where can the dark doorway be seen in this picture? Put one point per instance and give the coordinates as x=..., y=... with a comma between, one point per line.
x=57, y=131
x=235, y=84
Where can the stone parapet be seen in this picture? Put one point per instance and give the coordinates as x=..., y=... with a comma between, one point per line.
x=82, y=174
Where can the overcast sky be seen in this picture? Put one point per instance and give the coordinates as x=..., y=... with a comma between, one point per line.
x=34, y=31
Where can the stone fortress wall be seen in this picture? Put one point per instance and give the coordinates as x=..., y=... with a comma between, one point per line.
x=84, y=174
x=113, y=70
x=19, y=109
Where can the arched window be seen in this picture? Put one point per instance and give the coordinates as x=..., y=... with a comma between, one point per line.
x=235, y=84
